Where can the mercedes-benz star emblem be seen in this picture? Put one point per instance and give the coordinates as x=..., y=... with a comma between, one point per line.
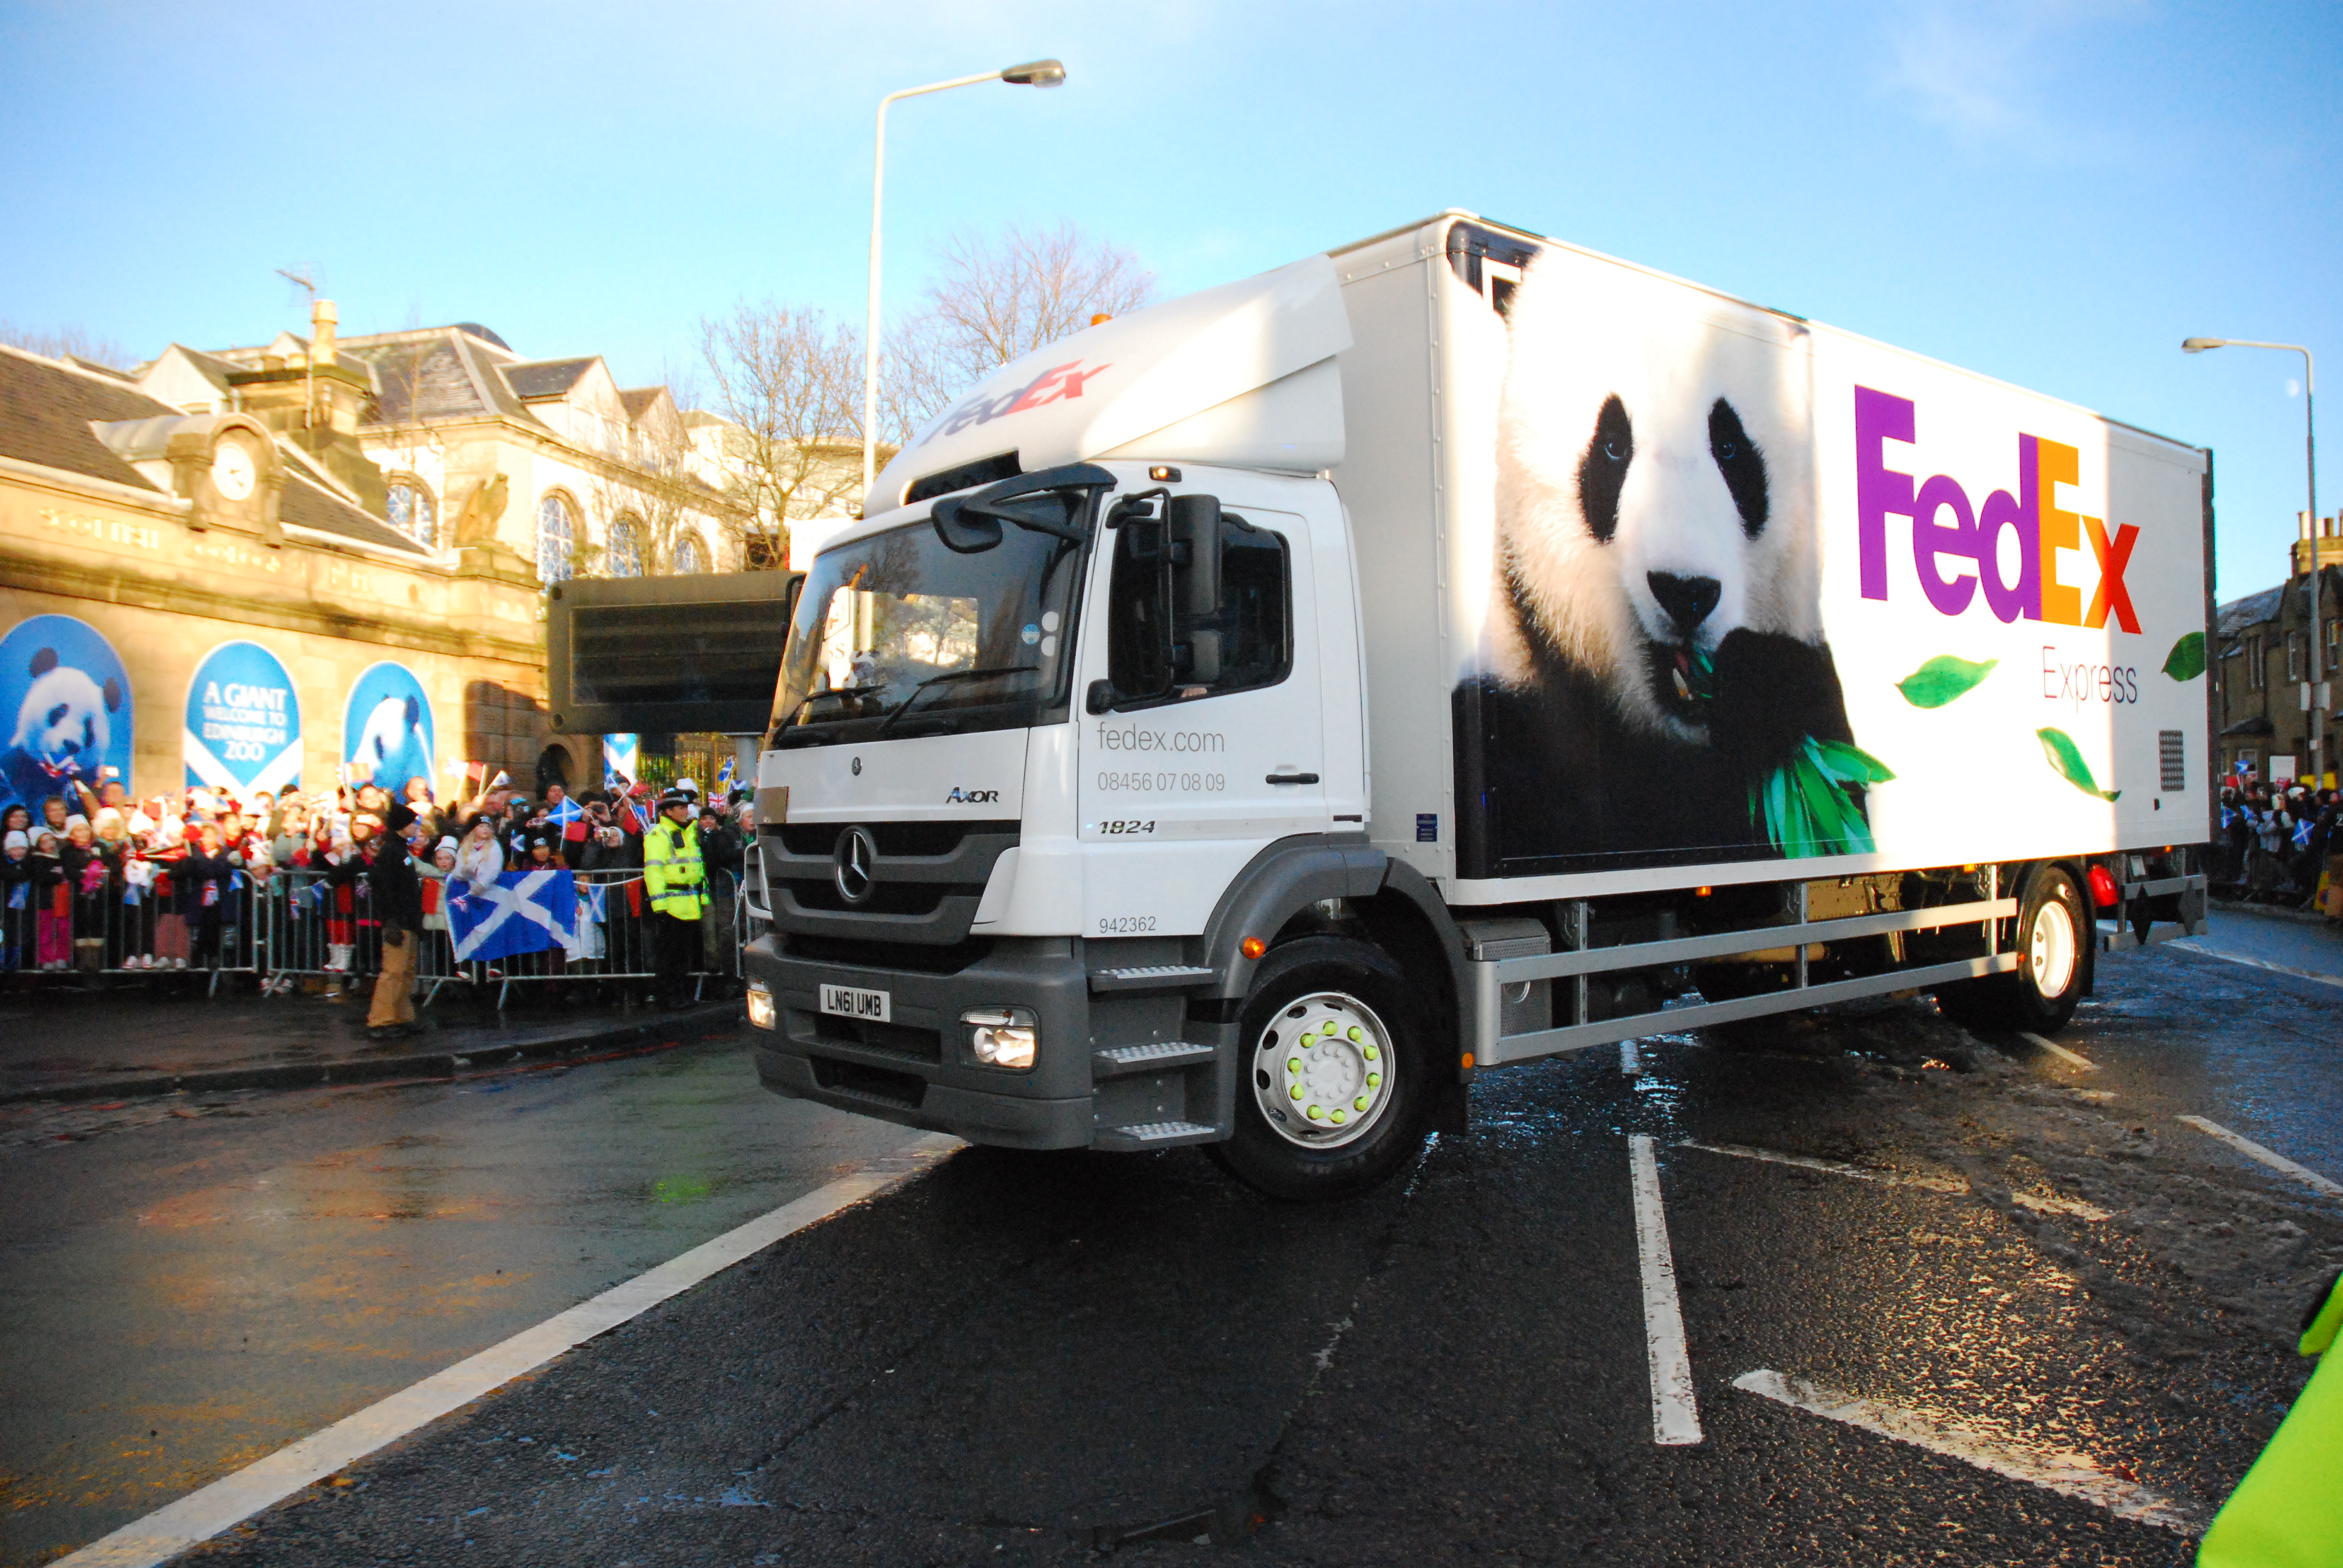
x=854, y=862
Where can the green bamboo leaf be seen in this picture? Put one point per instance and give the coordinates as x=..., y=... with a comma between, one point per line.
x=2059, y=747
x=1941, y=679
x=2187, y=660
x=1851, y=763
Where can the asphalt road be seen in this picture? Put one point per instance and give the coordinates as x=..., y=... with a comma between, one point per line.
x=1991, y=1251
x=193, y=1280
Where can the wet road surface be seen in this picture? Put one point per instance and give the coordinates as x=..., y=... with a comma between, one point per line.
x=192, y=1282
x=1993, y=1249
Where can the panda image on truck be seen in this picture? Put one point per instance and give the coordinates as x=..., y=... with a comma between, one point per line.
x=1654, y=656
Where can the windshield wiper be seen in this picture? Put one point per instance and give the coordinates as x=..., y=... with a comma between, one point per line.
x=951, y=674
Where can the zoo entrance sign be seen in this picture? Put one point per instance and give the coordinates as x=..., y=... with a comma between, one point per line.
x=244, y=723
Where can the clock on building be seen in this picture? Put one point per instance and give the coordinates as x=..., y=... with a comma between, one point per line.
x=234, y=472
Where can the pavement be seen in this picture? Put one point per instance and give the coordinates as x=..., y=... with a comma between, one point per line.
x=161, y=1037
x=2291, y=942
x=1941, y=1297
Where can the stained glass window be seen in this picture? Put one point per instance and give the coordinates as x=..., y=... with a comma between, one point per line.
x=413, y=512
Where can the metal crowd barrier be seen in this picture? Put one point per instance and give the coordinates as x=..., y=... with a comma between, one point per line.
x=617, y=946
x=137, y=931
x=284, y=930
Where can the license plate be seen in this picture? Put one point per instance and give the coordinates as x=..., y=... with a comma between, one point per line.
x=847, y=1003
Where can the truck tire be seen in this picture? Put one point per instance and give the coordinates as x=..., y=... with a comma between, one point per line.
x=1336, y=1057
x=2056, y=941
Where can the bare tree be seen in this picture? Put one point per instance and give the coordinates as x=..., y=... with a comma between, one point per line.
x=993, y=301
x=66, y=343
x=789, y=383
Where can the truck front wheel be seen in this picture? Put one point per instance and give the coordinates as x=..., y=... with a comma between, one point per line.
x=1336, y=1057
x=2056, y=943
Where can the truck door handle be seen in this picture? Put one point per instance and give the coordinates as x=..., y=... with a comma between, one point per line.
x=1292, y=778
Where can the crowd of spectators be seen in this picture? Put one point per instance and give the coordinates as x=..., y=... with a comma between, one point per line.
x=2280, y=845
x=93, y=881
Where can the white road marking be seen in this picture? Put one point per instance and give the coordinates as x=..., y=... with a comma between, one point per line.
x=2188, y=944
x=2038, y=1202
x=232, y=1498
x=1675, y=1419
x=2061, y=1052
x=2068, y=1474
x=2269, y=1157
x=1631, y=1063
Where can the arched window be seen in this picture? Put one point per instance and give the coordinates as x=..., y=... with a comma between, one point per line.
x=625, y=554
x=557, y=537
x=412, y=511
x=690, y=555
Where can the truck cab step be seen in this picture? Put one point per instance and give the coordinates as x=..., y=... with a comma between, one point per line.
x=1154, y=1056
x=1154, y=1135
x=1152, y=977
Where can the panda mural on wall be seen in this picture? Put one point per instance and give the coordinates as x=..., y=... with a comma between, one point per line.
x=68, y=699
x=1654, y=686
x=387, y=733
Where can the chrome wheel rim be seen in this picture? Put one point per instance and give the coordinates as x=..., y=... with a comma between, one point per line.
x=2050, y=948
x=1322, y=1071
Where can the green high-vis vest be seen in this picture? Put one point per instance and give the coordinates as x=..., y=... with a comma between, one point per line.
x=2287, y=1513
x=673, y=873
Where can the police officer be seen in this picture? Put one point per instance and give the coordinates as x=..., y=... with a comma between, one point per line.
x=677, y=881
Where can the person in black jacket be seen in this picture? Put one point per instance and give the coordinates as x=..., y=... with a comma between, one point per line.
x=397, y=906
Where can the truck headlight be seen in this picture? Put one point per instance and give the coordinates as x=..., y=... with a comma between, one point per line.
x=760, y=1004
x=1006, y=1037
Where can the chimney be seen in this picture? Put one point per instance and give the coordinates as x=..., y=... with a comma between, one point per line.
x=322, y=318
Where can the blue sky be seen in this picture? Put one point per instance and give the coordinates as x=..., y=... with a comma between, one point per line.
x=2055, y=193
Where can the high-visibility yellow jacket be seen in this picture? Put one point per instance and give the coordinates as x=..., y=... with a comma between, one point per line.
x=673, y=873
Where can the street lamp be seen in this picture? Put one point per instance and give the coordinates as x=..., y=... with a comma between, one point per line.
x=2311, y=462
x=1032, y=74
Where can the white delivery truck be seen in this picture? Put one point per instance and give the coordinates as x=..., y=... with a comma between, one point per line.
x=1241, y=722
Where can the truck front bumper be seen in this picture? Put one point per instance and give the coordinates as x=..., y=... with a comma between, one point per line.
x=918, y=1069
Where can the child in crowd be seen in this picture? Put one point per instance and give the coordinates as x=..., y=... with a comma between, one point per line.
x=52, y=903
x=15, y=895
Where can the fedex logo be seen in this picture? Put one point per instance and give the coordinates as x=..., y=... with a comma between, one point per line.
x=1065, y=380
x=1948, y=533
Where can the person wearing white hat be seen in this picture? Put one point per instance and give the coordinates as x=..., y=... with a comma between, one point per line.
x=16, y=899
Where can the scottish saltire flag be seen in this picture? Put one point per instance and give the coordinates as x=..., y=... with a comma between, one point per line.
x=564, y=814
x=525, y=912
x=588, y=942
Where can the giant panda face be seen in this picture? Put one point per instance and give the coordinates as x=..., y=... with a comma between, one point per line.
x=388, y=730
x=1654, y=482
x=63, y=719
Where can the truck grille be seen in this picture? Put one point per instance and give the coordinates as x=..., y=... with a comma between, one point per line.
x=927, y=878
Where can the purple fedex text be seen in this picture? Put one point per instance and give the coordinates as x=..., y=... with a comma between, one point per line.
x=1948, y=533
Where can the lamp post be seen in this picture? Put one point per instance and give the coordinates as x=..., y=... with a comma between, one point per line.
x=2311, y=462
x=1032, y=74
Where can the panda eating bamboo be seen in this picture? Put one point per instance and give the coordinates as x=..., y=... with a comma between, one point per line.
x=1654, y=685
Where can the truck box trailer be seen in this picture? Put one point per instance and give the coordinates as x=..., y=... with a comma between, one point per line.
x=1244, y=721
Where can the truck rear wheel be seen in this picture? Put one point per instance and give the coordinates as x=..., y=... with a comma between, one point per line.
x=1335, y=1056
x=2056, y=943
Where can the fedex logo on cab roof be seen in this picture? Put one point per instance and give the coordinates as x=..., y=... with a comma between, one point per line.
x=1059, y=381
x=1949, y=533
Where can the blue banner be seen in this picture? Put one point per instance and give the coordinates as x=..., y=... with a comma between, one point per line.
x=621, y=761
x=525, y=912
x=244, y=723
x=65, y=698
x=386, y=730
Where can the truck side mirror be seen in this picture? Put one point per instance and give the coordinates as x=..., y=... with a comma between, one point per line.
x=1195, y=521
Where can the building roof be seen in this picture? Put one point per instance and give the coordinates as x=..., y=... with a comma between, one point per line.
x=2251, y=610
x=537, y=378
x=49, y=414
x=639, y=398
x=47, y=409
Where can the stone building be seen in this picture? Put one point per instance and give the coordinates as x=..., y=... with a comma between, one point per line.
x=2261, y=666
x=186, y=593
x=369, y=518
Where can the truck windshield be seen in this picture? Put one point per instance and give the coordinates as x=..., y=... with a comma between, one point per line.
x=898, y=635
